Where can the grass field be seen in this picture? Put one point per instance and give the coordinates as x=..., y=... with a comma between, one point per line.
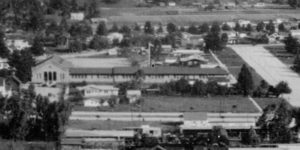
x=185, y=104
x=234, y=63
x=116, y=125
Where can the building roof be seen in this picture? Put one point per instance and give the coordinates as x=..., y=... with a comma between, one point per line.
x=125, y=70
x=56, y=60
x=101, y=87
x=105, y=71
x=75, y=133
x=150, y=71
x=183, y=71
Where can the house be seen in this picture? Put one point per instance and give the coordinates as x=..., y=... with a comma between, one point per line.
x=295, y=34
x=166, y=49
x=244, y=22
x=4, y=63
x=172, y=4
x=231, y=24
x=115, y=36
x=233, y=36
x=17, y=41
x=193, y=60
x=112, y=52
x=191, y=40
x=99, y=91
x=94, y=102
x=259, y=5
x=77, y=16
x=97, y=21
x=133, y=95
x=9, y=85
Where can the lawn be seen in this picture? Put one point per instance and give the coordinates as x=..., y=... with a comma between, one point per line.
x=234, y=63
x=281, y=54
x=185, y=104
x=116, y=125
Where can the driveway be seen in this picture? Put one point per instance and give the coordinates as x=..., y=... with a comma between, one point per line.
x=271, y=69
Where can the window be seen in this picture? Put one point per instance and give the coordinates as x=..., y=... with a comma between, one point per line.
x=50, y=76
x=45, y=76
x=54, y=76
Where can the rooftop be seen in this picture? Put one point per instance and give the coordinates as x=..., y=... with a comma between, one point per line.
x=150, y=71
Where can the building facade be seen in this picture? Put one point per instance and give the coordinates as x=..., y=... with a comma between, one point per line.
x=57, y=70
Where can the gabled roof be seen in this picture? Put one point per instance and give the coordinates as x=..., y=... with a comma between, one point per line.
x=56, y=60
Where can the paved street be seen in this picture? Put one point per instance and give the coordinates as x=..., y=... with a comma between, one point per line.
x=270, y=68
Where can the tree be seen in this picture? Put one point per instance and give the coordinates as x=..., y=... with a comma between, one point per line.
x=137, y=27
x=294, y=3
x=99, y=43
x=270, y=27
x=183, y=86
x=74, y=5
x=213, y=42
x=148, y=29
x=226, y=27
x=199, y=88
x=249, y=28
x=224, y=40
x=101, y=29
x=160, y=29
x=296, y=66
x=204, y=28
x=4, y=51
x=22, y=61
x=275, y=121
x=218, y=136
x=237, y=27
x=156, y=49
x=215, y=28
x=245, y=81
x=76, y=45
x=281, y=27
x=91, y=10
x=192, y=29
x=125, y=30
x=37, y=48
x=291, y=44
x=260, y=26
x=283, y=88
x=114, y=28
x=171, y=28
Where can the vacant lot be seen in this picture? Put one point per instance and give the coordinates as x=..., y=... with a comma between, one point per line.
x=186, y=104
x=234, y=63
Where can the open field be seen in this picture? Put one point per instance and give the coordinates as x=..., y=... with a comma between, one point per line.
x=271, y=69
x=186, y=19
x=234, y=63
x=115, y=125
x=185, y=104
